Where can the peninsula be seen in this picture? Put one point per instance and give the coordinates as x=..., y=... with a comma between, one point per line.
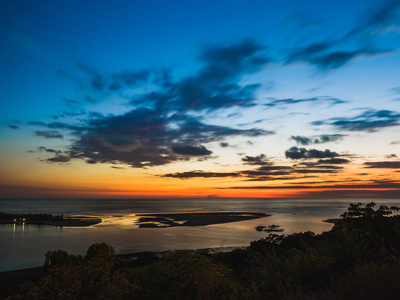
x=48, y=219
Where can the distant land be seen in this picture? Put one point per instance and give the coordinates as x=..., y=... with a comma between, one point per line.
x=48, y=219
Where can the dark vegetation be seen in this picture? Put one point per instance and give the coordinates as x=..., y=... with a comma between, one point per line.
x=47, y=219
x=358, y=259
x=12, y=218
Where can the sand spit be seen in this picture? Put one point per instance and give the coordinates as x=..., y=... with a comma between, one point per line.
x=163, y=220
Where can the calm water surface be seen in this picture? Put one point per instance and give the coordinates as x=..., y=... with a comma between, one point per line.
x=24, y=246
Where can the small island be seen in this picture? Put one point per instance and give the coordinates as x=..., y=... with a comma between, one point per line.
x=48, y=219
x=163, y=220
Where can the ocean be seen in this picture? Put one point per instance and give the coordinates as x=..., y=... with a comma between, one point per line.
x=24, y=246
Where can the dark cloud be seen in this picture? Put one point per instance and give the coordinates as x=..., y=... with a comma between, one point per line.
x=161, y=128
x=59, y=158
x=288, y=101
x=338, y=59
x=201, y=174
x=348, y=193
x=216, y=84
x=12, y=126
x=382, y=165
x=49, y=150
x=370, y=121
x=303, y=153
x=334, y=161
x=272, y=178
x=50, y=134
x=146, y=137
x=370, y=185
x=395, y=143
x=391, y=155
x=259, y=160
x=190, y=150
x=91, y=161
x=314, y=171
x=224, y=144
x=377, y=20
x=324, y=54
x=325, y=138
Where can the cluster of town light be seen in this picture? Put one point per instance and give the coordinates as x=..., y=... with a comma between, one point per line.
x=19, y=221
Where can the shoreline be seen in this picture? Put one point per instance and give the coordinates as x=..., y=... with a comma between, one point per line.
x=71, y=221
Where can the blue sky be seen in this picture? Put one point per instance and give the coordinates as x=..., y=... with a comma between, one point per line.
x=204, y=98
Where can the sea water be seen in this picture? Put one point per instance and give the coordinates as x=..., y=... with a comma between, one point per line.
x=24, y=246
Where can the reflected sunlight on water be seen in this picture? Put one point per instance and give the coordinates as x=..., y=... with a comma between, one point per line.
x=25, y=245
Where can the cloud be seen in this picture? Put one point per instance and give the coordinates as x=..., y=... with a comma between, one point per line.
x=224, y=144
x=260, y=160
x=216, y=84
x=161, y=127
x=391, y=155
x=190, y=150
x=370, y=185
x=49, y=150
x=268, y=171
x=288, y=101
x=325, y=138
x=338, y=59
x=377, y=20
x=59, y=158
x=51, y=134
x=303, y=153
x=370, y=121
x=332, y=53
x=382, y=165
x=13, y=126
x=395, y=143
x=91, y=161
x=146, y=137
x=201, y=174
x=335, y=161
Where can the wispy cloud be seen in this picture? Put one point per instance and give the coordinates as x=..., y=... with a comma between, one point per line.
x=321, y=99
x=50, y=134
x=332, y=53
x=13, y=126
x=383, y=165
x=370, y=121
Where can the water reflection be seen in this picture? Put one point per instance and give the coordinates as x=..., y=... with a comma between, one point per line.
x=25, y=245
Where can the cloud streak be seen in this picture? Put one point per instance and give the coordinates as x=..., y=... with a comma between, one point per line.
x=370, y=121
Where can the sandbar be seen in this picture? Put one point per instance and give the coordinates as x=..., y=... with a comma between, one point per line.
x=163, y=220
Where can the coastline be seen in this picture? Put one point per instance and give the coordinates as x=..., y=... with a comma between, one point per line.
x=70, y=221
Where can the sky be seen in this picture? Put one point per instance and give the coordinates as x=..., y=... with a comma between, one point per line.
x=199, y=98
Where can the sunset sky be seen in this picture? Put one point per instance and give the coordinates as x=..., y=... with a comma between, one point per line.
x=200, y=98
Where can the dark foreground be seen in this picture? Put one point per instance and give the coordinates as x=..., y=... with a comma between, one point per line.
x=358, y=259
